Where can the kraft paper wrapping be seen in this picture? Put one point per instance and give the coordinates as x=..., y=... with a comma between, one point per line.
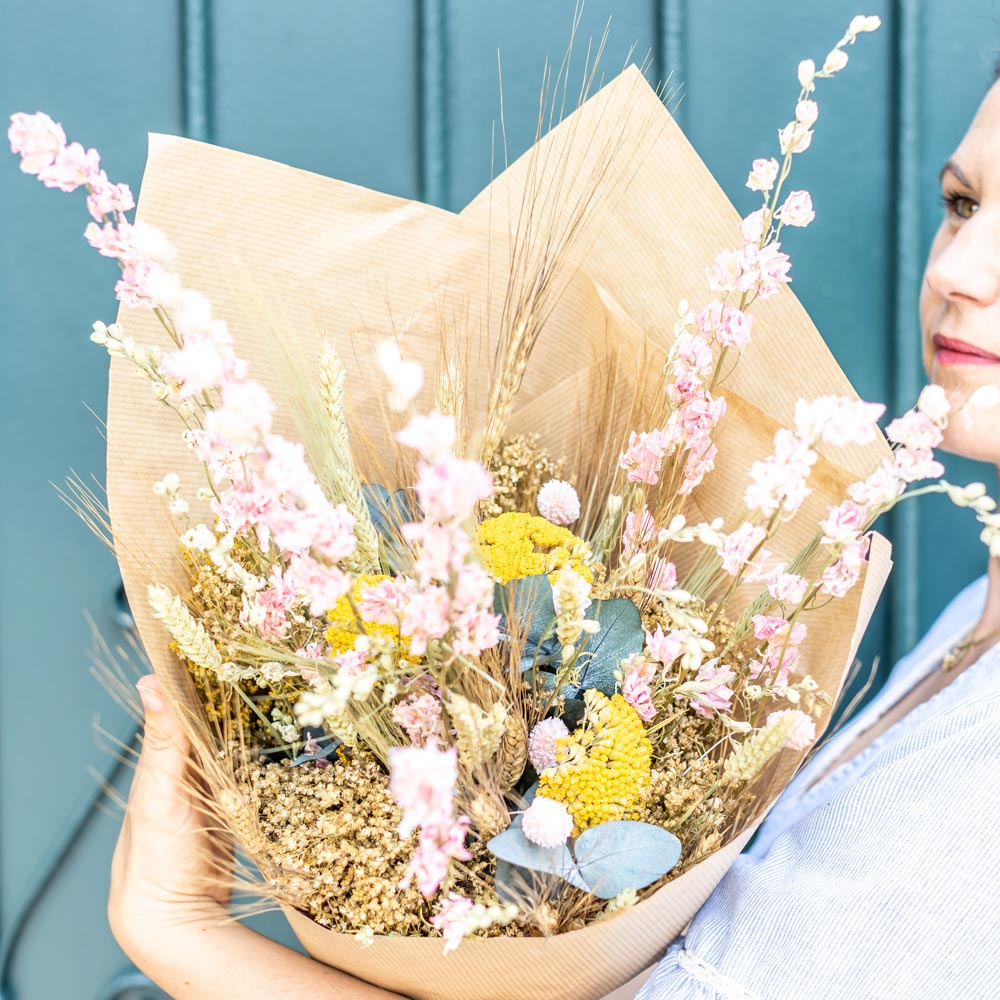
x=289, y=258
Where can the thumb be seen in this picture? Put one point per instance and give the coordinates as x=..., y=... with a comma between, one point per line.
x=165, y=746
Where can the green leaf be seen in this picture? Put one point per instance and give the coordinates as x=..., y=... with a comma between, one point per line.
x=621, y=636
x=514, y=847
x=624, y=854
x=526, y=606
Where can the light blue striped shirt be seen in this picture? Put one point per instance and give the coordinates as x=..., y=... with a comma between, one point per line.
x=881, y=880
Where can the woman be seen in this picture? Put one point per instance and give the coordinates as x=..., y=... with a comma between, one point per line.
x=873, y=876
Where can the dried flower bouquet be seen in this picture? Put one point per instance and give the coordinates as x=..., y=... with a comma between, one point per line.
x=509, y=606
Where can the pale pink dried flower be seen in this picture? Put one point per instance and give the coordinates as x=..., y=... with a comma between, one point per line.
x=543, y=742
x=546, y=822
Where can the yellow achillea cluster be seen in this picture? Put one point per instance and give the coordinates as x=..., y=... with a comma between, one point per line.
x=604, y=767
x=515, y=545
x=344, y=627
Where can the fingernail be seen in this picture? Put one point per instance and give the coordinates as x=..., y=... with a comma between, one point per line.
x=150, y=698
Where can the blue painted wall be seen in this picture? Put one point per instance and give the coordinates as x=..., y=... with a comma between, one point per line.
x=402, y=95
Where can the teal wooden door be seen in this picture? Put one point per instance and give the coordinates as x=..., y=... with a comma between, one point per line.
x=401, y=95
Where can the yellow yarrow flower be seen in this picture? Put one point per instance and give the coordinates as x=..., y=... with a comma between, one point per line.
x=603, y=769
x=515, y=545
x=344, y=628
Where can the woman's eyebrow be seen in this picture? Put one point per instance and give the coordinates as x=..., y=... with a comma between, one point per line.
x=952, y=167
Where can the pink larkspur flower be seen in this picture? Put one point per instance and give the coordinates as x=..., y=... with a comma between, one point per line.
x=880, y=488
x=273, y=605
x=723, y=273
x=912, y=464
x=797, y=209
x=426, y=617
x=323, y=585
x=543, y=743
x=437, y=847
x=637, y=532
x=383, y=602
x=450, y=489
x=558, y=502
x=762, y=271
x=665, y=647
x=452, y=920
x=133, y=288
x=441, y=549
x=662, y=575
x=73, y=167
x=419, y=717
x=843, y=524
x=795, y=137
x=779, y=482
x=244, y=416
x=763, y=175
x=110, y=240
x=752, y=227
x=837, y=420
x=738, y=546
x=546, y=822
x=433, y=435
x=475, y=630
x=637, y=685
x=803, y=732
x=36, y=138
x=644, y=456
x=839, y=578
x=788, y=588
x=106, y=198
x=914, y=430
x=714, y=694
x=768, y=626
x=422, y=781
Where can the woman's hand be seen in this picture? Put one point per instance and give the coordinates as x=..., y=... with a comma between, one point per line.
x=165, y=874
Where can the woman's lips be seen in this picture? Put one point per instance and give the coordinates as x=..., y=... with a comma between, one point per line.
x=949, y=352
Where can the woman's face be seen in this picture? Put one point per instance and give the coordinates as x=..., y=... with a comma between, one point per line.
x=960, y=297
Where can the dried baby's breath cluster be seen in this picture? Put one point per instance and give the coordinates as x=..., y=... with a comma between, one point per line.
x=519, y=467
x=331, y=837
x=334, y=843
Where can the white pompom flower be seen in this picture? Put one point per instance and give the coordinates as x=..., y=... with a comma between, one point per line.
x=547, y=822
x=558, y=502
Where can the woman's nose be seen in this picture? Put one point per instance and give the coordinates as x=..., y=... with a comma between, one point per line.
x=967, y=268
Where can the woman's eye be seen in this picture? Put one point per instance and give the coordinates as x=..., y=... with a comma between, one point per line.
x=959, y=206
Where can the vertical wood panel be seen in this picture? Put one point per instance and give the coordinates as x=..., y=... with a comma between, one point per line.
x=326, y=85
x=907, y=376
x=671, y=19
x=196, y=54
x=433, y=107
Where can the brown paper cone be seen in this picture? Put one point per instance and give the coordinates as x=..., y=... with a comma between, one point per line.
x=288, y=258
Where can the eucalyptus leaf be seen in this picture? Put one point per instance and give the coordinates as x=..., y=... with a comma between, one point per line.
x=621, y=636
x=514, y=847
x=389, y=512
x=624, y=854
x=527, y=609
